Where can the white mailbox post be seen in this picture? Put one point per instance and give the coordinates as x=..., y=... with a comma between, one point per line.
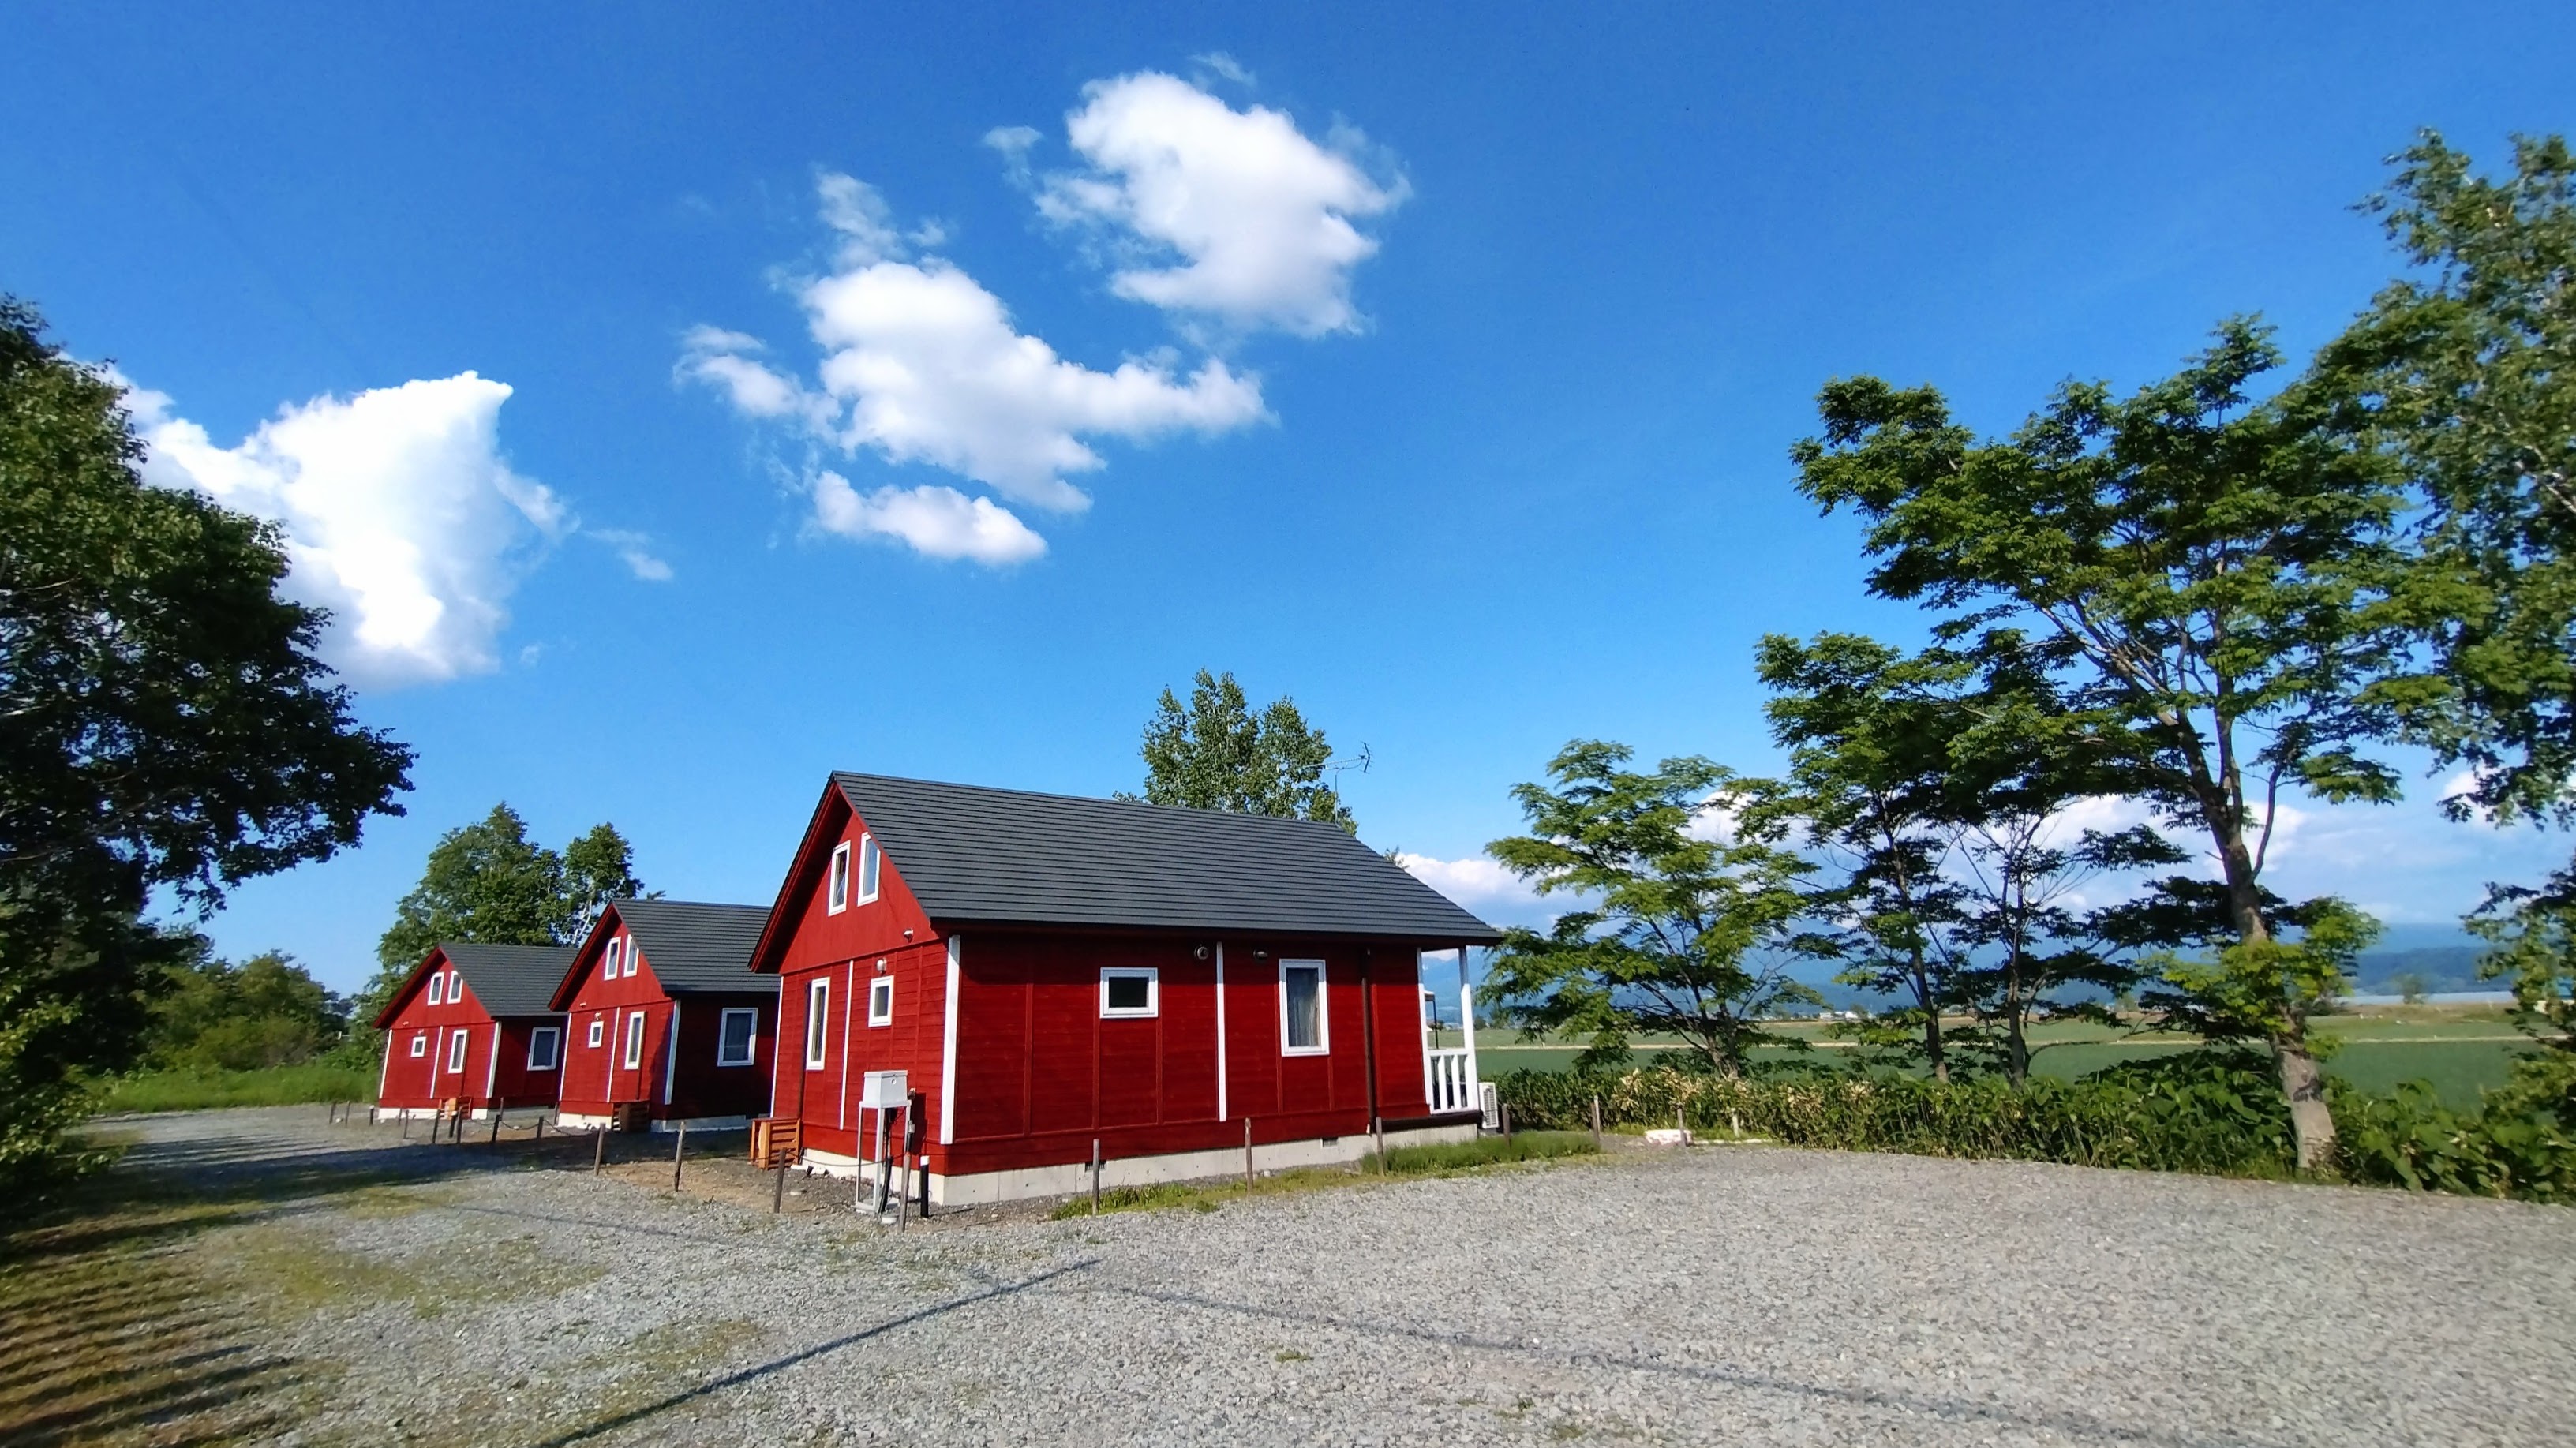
x=885, y=1093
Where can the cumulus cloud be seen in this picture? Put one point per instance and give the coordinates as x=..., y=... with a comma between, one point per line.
x=1475, y=882
x=938, y=521
x=398, y=512
x=1229, y=213
x=922, y=364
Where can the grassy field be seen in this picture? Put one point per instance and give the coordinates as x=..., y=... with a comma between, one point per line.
x=2457, y=1050
x=205, y=1090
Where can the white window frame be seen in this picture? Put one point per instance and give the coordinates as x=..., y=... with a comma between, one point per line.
x=634, y=1041
x=553, y=1037
x=1153, y=992
x=1323, y=1013
x=818, y=1022
x=871, y=881
x=616, y=958
x=750, y=1035
x=419, y=1044
x=836, y=887
x=598, y=1032
x=881, y=994
x=455, y=987
x=456, y=1045
x=438, y=987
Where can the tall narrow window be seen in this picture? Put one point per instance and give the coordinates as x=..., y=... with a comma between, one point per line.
x=838, y=899
x=455, y=987
x=818, y=1023
x=456, y=1052
x=545, y=1048
x=634, y=1040
x=616, y=960
x=881, y=1001
x=438, y=988
x=867, y=868
x=1301, y=1008
x=733, y=1036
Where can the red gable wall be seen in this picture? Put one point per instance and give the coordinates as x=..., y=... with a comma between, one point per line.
x=410, y=1081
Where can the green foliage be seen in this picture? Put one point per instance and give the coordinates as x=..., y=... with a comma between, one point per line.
x=2409, y=1139
x=1680, y=932
x=1213, y=753
x=164, y=725
x=2263, y=990
x=1451, y=1156
x=208, y=1089
x=490, y=884
x=263, y=1013
x=2459, y=375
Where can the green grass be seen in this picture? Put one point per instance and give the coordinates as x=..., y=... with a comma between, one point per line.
x=205, y=1090
x=1453, y=1156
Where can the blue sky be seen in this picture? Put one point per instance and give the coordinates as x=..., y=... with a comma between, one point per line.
x=1434, y=367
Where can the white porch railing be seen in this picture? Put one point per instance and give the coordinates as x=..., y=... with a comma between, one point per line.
x=1453, y=1080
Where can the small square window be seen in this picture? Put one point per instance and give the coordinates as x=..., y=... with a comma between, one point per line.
x=438, y=989
x=1129, y=991
x=839, y=897
x=868, y=865
x=456, y=1052
x=598, y=1031
x=881, y=1001
x=1303, y=1028
x=818, y=1000
x=734, y=1030
x=419, y=1044
x=635, y=1040
x=545, y=1048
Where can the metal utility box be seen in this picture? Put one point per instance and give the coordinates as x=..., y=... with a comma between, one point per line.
x=883, y=1090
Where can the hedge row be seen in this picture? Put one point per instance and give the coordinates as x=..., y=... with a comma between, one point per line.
x=2213, y=1112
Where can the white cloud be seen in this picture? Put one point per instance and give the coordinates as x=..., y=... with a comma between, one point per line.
x=1222, y=64
x=1261, y=218
x=399, y=515
x=636, y=550
x=1473, y=882
x=921, y=364
x=938, y=521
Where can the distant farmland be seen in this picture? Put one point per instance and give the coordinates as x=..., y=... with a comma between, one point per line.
x=2456, y=1050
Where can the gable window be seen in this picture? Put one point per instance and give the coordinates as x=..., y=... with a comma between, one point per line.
x=839, y=898
x=438, y=989
x=616, y=960
x=1129, y=991
x=455, y=988
x=419, y=1044
x=545, y=1048
x=456, y=1052
x=881, y=1001
x=634, y=1040
x=598, y=1031
x=1302, y=1026
x=868, y=864
x=818, y=1023
x=733, y=1036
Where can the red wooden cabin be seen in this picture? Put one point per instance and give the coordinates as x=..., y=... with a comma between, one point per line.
x=666, y=1015
x=473, y=1024
x=1053, y=972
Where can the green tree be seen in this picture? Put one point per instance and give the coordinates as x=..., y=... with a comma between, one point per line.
x=2200, y=572
x=1214, y=753
x=1680, y=933
x=164, y=726
x=2531, y=932
x=487, y=882
x=2462, y=375
x=267, y=1011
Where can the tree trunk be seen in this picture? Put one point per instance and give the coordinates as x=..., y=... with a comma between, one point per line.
x=1932, y=1050
x=2311, y=1124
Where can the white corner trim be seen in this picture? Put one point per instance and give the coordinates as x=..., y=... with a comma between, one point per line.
x=948, y=1049
x=492, y=1068
x=671, y=1052
x=385, y=1073
x=849, y=1009
x=1221, y=1113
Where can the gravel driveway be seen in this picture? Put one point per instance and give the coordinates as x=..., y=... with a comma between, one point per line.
x=1708, y=1295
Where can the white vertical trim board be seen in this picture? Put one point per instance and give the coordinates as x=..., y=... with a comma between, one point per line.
x=1221, y=1112
x=948, y=1049
x=849, y=1004
x=492, y=1068
x=671, y=1053
x=386, y=1072
x=1467, y=1021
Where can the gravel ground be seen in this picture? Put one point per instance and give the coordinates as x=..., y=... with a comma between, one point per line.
x=1707, y=1295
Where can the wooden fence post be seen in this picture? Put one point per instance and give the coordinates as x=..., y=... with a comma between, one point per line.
x=677, y=1148
x=1247, y=1154
x=499, y=1105
x=1596, y=1123
x=598, y=1149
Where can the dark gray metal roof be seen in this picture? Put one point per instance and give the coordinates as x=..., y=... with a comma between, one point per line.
x=511, y=980
x=691, y=946
x=1002, y=855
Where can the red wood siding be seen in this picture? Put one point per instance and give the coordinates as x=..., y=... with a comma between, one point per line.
x=425, y=1080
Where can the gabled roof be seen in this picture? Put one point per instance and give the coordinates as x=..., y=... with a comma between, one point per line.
x=692, y=946
x=969, y=853
x=507, y=980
